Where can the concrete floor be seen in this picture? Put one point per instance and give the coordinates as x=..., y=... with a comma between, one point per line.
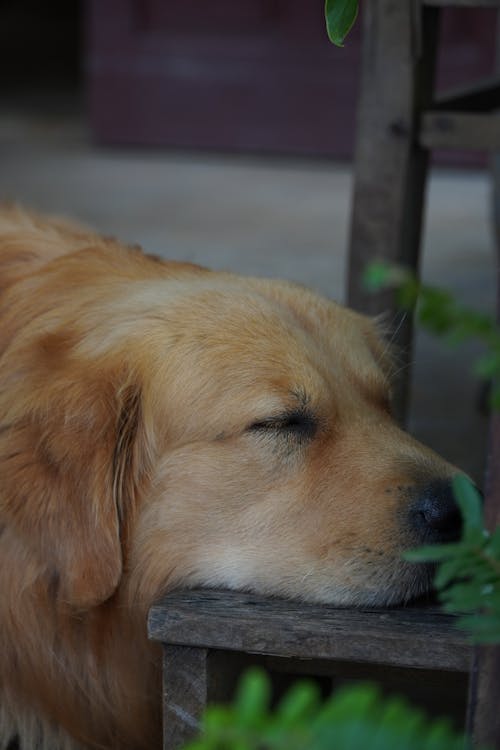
x=281, y=218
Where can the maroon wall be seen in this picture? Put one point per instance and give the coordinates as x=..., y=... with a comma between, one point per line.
x=251, y=75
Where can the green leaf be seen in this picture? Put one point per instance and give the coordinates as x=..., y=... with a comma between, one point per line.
x=299, y=703
x=216, y=717
x=494, y=544
x=449, y=570
x=377, y=276
x=252, y=698
x=354, y=718
x=340, y=16
x=407, y=294
x=436, y=310
x=440, y=735
x=469, y=502
x=483, y=628
x=488, y=366
x=463, y=597
x=432, y=552
x=349, y=702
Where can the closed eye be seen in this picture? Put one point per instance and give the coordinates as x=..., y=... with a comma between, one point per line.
x=301, y=424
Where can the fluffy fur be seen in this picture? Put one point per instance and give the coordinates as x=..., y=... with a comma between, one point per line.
x=162, y=425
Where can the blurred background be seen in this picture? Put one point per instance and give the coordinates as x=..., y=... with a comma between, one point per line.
x=222, y=133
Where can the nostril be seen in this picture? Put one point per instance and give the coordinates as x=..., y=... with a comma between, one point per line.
x=436, y=513
x=440, y=515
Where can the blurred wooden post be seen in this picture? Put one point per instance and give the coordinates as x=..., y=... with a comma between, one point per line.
x=398, y=62
x=484, y=701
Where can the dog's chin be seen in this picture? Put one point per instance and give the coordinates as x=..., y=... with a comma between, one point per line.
x=413, y=586
x=406, y=585
x=400, y=584
x=421, y=592
x=409, y=585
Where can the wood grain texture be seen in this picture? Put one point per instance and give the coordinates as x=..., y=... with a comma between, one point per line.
x=184, y=693
x=456, y=130
x=398, y=67
x=409, y=637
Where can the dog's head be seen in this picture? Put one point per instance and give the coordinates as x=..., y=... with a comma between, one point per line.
x=164, y=425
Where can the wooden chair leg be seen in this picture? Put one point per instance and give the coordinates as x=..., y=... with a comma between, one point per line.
x=484, y=695
x=483, y=715
x=400, y=40
x=495, y=178
x=185, y=692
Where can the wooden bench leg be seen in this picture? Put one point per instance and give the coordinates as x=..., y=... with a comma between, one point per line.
x=484, y=696
x=185, y=692
x=399, y=46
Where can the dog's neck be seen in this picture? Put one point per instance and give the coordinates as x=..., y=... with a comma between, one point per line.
x=82, y=683
x=63, y=707
x=26, y=731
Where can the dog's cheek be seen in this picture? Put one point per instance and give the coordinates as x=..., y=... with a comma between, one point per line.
x=200, y=500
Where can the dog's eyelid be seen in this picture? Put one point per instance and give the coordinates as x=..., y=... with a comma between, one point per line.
x=301, y=422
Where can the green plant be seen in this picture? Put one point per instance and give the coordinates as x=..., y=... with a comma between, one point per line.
x=340, y=16
x=468, y=573
x=438, y=311
x=354, y=718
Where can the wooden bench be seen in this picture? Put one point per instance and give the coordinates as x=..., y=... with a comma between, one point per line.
x=209, y=637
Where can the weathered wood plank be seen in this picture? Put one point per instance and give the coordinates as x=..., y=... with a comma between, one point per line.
x=410, y=637
x=185, y=682
x=460, y=130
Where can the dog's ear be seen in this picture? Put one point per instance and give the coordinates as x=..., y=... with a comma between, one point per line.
x=69, y=466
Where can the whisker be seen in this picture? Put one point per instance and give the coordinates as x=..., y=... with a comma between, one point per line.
x=398, y=327
x=403, y=367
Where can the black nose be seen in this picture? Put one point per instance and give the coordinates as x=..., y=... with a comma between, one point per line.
x=435, y=515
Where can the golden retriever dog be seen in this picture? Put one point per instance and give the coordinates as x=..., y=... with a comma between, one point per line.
x=162, y=425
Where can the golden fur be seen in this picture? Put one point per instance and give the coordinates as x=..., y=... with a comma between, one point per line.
x=163, y=425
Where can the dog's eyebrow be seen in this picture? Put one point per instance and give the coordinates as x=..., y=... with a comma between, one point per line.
x=299, y=411
x=375, y=387
x=300, y=395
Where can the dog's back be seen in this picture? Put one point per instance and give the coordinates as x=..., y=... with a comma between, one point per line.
x=28, y=241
